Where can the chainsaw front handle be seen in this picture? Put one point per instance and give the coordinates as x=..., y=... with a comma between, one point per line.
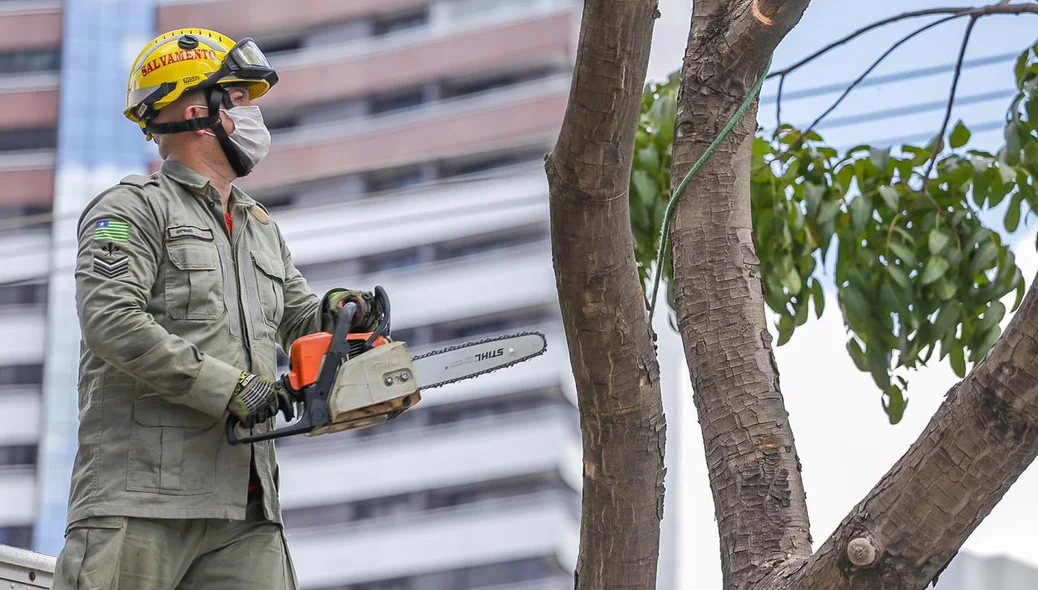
x=315, y=399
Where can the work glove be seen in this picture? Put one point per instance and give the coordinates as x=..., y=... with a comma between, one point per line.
x=366, y=319
x=256, y=399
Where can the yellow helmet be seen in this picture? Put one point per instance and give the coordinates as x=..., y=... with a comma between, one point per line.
x=186, y=59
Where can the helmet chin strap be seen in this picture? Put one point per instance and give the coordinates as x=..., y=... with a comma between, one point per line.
x=238, y=161
x=215, y=96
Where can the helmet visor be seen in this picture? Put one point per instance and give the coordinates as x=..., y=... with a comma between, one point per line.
x=248, y=55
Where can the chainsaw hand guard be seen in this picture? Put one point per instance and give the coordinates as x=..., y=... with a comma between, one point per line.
x=315, y=398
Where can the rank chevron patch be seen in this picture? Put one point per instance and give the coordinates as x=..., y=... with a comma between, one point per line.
x=111, y=269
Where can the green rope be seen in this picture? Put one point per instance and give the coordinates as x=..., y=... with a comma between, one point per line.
x=665, y=236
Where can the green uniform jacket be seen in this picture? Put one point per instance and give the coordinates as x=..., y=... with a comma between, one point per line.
x=172, y=309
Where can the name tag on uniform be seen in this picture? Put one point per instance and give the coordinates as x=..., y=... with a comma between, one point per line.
x=187, y=231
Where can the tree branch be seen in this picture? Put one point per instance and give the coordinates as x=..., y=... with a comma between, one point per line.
x=862, y=77
x=759, y=500
x=607, y=329
x=1002, y=8
x=951, y=101
x=974, y=448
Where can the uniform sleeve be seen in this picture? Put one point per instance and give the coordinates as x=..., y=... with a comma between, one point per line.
x=120, y=246
x=302, y=312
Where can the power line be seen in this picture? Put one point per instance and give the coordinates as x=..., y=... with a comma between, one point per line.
x=895, y=77
x=914, y=109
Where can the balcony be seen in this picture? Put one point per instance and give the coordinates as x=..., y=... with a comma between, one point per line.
x=30, y=24
x=28, y=101
x=22, y=332
x=511, y=279
x=521, y=115
x=350, y=469
x=487, y=533
x=21, y=405
x=17, y=488
x=465, y=47
x=419, y=215
x=26, y=178
x=257, y=17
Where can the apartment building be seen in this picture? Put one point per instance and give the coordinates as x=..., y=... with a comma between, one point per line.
x=408, y=138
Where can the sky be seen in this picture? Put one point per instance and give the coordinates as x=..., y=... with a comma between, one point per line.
x=843, y=437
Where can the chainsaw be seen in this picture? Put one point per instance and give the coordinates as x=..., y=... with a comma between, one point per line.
x=346, y=380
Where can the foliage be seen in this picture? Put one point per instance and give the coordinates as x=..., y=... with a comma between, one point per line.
x=916, y=270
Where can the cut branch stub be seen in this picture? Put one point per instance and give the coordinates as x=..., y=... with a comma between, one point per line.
x=862, y=551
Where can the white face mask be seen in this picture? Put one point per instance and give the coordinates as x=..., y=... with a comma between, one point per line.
x=250, y=135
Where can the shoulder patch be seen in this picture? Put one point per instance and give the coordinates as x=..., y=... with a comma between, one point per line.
x=138, y=180
x=260, y=214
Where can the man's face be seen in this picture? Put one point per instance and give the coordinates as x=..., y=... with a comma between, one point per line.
x=239, y=96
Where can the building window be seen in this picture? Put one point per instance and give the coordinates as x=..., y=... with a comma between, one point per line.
x=401, y=21
x=21, y=375
x=30, y=60
x=17, y=455
x=416, y=502
x=399, y=178
x=16, y=536
x=24, y=217
x=23, y=294
x=478, y=164
x=397, y=101
x=467, y=86
x=391, y=261
x=28, y=139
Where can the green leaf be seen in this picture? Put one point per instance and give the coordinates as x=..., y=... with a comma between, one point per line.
x=945, y=289
x=900, y=277
x=959, y=136
x=786, y=327
x=992, y=316
x=905, y=254
x=828, y=211
x=813, y=194
x=1020, y=69
x=939, y=239
x=860, y=213
x=818, y=296
x=894, y=404
x=890, y=196
x=958, y=360
x=645, y=187
x=857, y=355
x=792, y=281
x=649, y=157
x=1013, y=213
x=664, y=114
x=934, y=269
x=880, y=158
x=986, y=254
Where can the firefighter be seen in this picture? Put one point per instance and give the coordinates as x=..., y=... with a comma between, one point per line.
x=184, y=289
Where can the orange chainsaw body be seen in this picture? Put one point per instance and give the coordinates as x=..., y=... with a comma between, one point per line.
x=308, y=352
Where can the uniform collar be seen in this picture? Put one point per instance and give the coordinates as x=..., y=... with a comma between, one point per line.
x=201, y=185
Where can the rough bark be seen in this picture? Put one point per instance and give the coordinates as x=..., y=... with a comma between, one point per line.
x=910, y=525
x=603, y=308
x=759, y=499
x=974, y=448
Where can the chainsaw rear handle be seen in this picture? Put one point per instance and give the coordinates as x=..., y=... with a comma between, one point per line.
x=315, y=398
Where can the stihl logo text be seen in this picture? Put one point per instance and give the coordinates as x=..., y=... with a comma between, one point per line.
x=490, y=354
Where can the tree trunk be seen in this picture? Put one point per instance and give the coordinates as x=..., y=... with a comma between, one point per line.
x=603, y=308
x=759, y=499
x=982, y=438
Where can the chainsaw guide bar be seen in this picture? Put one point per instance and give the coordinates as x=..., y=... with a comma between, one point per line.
x=471, y=359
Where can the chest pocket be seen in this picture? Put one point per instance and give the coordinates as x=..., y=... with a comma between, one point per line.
x=193, y=280
x=269, y=284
